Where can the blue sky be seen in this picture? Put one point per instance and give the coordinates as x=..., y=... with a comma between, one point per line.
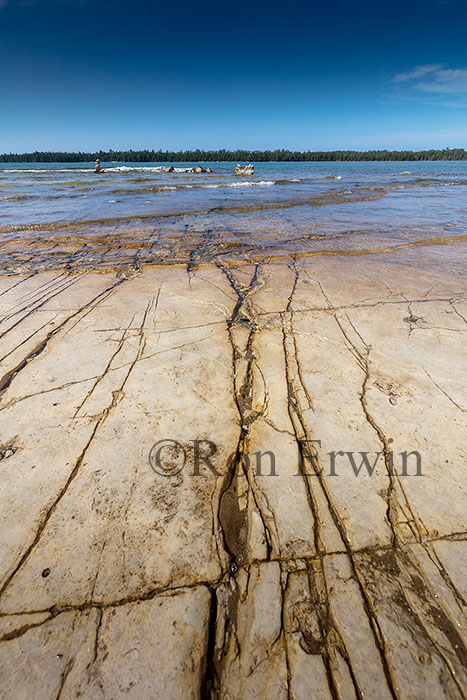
x=90, y=74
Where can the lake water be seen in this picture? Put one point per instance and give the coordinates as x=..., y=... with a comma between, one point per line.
x=65, y=216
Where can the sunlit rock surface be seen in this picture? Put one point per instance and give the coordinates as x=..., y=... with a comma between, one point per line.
x=220, y=570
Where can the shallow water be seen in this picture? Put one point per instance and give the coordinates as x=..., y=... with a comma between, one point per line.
x=67, y=216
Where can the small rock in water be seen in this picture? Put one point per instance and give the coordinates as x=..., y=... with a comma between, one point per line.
x=245, y=169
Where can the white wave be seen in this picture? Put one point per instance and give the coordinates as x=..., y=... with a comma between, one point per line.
x=128, y=168
x=47, y=170
x=157, y=169
x=247, y=183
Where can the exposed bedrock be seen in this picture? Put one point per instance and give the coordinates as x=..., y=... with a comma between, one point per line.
x=278, y=544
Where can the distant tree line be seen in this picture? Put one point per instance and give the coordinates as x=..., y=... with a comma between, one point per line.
x=197, y=155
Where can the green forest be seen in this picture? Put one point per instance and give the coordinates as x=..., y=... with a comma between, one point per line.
x=197, y=156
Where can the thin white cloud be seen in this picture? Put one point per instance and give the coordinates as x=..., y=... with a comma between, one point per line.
x=432, y=84
x=417, y=72
x=447, y=81
x=3, y=3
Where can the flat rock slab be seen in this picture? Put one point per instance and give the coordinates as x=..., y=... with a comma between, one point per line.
x=235, y=482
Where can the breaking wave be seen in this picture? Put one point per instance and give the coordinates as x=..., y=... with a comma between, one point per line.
x=246, y=183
